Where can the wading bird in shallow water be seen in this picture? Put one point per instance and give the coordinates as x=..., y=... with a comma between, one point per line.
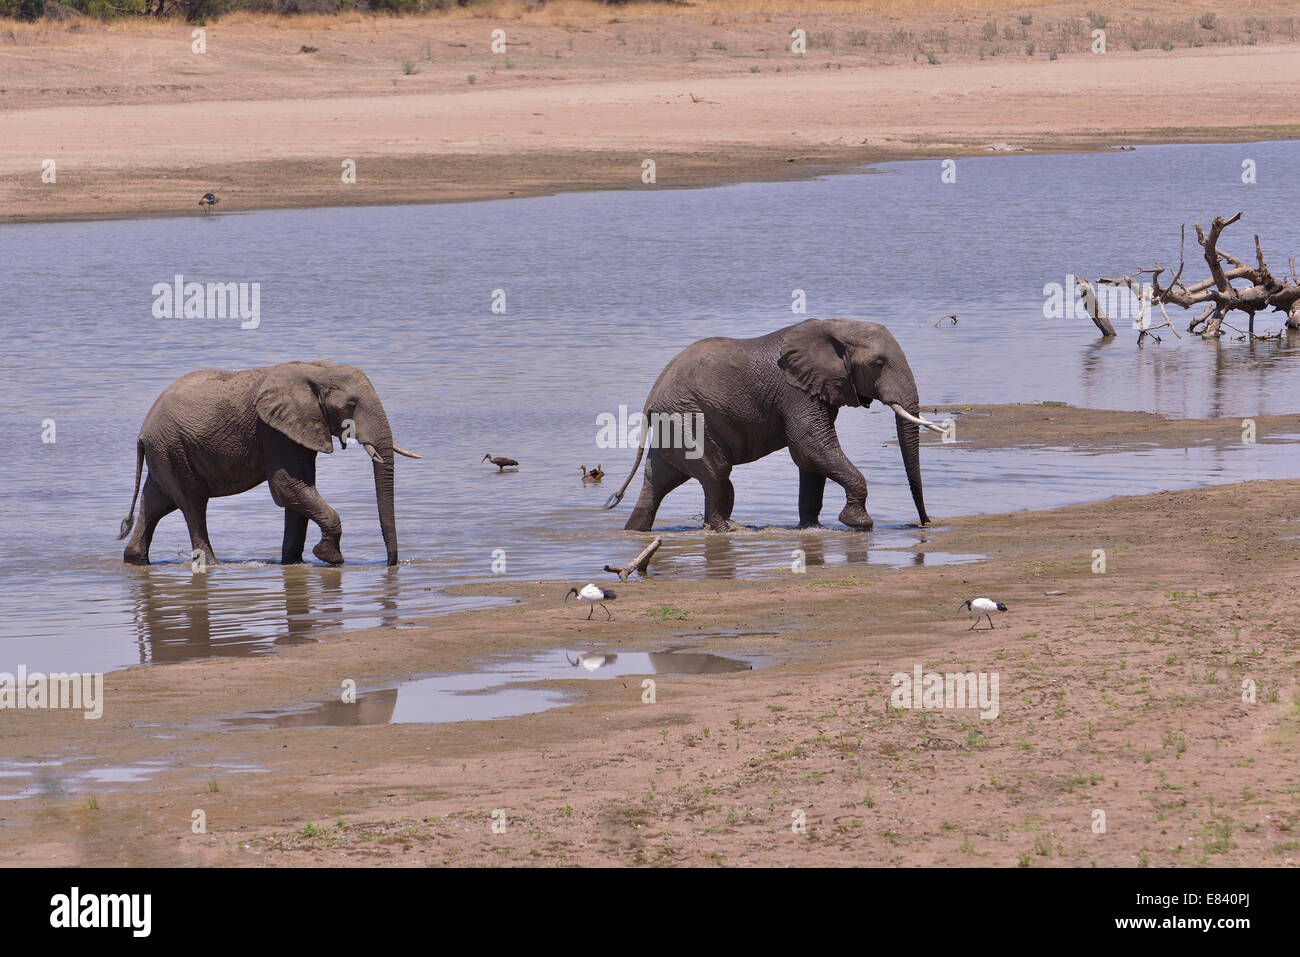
x=501, y=462
x=983, y=608
x=595, y=475
x=596, y=596
x=208, y=201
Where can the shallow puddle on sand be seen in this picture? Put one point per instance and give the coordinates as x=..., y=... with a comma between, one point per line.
x=485, y=695
x=62, y=778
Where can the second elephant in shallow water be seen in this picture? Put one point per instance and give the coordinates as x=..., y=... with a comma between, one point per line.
x=756, y=396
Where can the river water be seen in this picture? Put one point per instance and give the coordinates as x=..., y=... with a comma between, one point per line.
x=600, y=290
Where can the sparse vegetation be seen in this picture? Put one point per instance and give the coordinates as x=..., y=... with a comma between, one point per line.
x=666, y=612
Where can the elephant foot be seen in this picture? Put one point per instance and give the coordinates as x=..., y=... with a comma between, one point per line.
x=135, y=557
x=855, y=516
x=328, y=552
x=723, y=525
x=292, y=559
x=813, y=524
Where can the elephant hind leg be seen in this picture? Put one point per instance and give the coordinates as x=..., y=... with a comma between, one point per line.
x=195, y=511
x=719, y=500
x=154, y=504
x=660, y=479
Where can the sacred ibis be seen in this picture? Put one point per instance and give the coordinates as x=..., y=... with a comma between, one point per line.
x=596, y=596
x=983, y=608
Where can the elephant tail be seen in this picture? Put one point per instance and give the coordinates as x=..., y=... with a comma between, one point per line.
x=640, y=451
x=130, y=516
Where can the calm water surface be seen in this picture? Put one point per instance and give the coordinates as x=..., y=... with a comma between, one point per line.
x=601, y=290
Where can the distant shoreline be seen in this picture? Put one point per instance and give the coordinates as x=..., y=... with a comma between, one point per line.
x=576, y=173
x=138, y=125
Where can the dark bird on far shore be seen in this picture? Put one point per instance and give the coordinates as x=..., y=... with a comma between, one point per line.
x=501, y=462
x=208, y=201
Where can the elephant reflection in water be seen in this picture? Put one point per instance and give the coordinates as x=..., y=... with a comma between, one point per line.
x=173, y=620
x=308, y=611
x=371, y=707
x=814, y=551
x=300, y=619
x=719, y=557
x=193, y=615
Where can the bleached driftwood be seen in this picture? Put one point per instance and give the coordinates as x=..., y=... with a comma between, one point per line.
x=1218, y=294
x=639, y=564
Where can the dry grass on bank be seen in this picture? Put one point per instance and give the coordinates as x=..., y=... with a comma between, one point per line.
x=562, y=12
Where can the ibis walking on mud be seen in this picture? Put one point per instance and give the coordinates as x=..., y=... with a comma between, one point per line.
x=595, y=595
x=983, y=608
x=501, y=462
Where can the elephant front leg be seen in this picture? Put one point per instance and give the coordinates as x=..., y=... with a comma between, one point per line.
x=295, y=537
x=295, y=495
x=822, y=455
x=812, y=487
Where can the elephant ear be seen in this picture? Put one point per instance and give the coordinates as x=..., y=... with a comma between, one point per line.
x=289, y=402
x=816, y=361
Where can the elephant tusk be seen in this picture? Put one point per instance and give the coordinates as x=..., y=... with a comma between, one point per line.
x=379, y=460
x=902, y=413
x=410, y=455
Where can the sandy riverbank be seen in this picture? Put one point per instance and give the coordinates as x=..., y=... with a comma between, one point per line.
x=1120, y=692
x=138, y=124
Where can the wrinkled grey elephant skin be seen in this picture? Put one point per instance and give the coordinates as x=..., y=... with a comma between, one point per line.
x=781, y=390
x=214, y=433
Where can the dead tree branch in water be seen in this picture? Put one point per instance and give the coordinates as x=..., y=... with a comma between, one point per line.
x=1218, y=294
x=1093, y=307
x=638, y=564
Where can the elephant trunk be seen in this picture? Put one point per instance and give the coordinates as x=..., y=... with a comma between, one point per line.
x=376, y=437
x=908, y=421
x=384, y=497
x=909, y=444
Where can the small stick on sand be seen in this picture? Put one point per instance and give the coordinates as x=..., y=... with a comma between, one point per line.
x=639, y=563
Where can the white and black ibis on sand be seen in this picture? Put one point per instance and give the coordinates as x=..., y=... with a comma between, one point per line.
x=595, y=595
x=983, y=608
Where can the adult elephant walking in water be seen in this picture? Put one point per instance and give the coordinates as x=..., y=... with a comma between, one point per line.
x=215, y=433
x=756, y=396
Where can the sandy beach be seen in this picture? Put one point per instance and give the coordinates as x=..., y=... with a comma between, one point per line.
x=139, y=124
x=1120, y=691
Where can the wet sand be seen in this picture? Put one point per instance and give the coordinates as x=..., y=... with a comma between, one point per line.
x=1120, y=692
x=138, y=124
